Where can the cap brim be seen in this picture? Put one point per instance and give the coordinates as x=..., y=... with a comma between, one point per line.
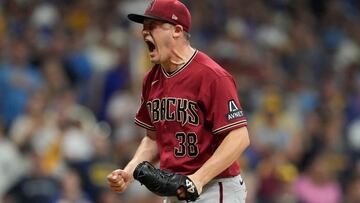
x=140, y=18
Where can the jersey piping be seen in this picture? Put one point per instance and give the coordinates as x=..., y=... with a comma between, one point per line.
x=221, y=193
x=144, y=125
x=226, y=127
x=169, y=75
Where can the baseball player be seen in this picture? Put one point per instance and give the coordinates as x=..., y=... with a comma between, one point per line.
x=190, y=109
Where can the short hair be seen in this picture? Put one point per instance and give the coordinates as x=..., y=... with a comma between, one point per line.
x=187, y=35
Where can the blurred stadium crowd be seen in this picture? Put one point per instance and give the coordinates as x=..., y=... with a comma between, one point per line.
x=71, y=72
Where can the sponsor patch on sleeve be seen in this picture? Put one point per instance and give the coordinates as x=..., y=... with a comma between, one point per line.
x=234, y=111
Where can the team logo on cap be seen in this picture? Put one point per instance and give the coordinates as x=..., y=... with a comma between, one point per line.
x=174, y=17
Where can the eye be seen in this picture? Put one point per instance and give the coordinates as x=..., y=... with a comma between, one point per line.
x=150, y=25
x=146, y=27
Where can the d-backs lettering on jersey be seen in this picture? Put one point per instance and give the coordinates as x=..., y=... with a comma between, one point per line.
x=191, y=110
x=173, y=109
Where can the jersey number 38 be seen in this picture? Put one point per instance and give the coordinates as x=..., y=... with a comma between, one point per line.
x=187, y=144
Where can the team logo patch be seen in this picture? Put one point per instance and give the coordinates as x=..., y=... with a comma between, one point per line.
x=234, y=111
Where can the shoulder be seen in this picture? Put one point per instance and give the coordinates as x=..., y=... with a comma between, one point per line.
x=209, y=68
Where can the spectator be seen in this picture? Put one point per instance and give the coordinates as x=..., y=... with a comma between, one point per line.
x=37, y=130
x=71, y=189
x=12, y=164
x=317, y=184
x=18, y=80
x=37, y=186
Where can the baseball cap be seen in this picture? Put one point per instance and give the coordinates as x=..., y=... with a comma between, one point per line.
x=171, y=11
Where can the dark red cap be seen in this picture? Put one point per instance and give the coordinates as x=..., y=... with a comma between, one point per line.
x=172, y=11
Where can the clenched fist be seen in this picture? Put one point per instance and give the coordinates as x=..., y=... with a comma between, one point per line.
x=119, y=180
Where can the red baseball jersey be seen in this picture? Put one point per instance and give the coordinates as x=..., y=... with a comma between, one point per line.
x=191, y=110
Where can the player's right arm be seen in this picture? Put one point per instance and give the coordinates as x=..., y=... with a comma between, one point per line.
x=120, y=179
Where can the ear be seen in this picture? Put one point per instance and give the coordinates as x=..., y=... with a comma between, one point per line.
x=178, y=31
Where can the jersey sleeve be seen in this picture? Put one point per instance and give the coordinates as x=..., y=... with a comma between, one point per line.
x=222, y=107
x=142, y=117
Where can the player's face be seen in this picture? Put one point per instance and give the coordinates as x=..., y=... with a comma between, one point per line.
x=157, y=36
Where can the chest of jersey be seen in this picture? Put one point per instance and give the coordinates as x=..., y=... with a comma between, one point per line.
x=174, y=100
x=173, y=104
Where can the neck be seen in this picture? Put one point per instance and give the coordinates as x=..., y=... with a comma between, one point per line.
x=178, y=58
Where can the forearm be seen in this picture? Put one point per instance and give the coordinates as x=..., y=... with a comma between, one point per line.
x=229, y=151
x=147, y=151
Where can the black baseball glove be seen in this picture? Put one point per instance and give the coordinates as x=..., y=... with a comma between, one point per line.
x=164, y=183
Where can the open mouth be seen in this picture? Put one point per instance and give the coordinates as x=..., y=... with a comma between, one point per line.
x=150, y=45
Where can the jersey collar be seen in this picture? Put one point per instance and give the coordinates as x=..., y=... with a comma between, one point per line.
x=169, y=75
